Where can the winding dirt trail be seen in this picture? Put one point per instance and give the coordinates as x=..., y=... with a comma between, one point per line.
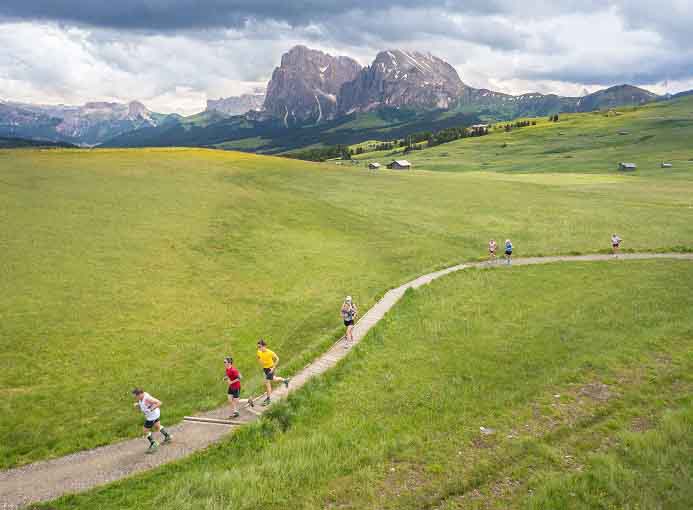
x=50, y=479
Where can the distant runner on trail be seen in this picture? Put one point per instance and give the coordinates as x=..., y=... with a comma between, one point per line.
x=349, y=313
x=492, y=249
x=151, y=408
x=268, y=361
x=508, y=251
x=233, y=376
x=615, y=243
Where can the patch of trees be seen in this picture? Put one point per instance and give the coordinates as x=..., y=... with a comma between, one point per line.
x=322, y=153
x=553, y=118
x=519, y=124
x=455, y=133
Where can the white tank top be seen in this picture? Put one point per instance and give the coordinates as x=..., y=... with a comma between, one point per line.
x=149, y=414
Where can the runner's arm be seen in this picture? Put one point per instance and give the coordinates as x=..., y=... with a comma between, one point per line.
x=154, y=403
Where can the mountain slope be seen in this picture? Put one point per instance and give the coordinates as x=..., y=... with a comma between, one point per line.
x=18, y=143
x=620, y=95
x=305, y=86
x=270, y=136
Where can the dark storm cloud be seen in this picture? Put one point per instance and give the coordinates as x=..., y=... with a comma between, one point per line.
x=196, y=14
x=187, y=14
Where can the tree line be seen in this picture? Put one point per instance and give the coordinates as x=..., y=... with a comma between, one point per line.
x=412, y=142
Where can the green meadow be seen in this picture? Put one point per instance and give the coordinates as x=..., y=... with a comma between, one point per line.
x=586, y=143
x=147, y=266
x=579, y=373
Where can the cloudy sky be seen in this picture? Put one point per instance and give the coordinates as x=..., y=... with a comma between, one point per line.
x=175, y=54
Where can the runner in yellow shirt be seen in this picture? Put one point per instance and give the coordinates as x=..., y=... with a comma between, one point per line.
x=268, y=361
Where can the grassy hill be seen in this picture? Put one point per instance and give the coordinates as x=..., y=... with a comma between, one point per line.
x=584, y=142
x=583, y=373
x=211, y=129
x=125, y=267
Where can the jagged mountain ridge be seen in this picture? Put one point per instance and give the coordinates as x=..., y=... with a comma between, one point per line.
x=411, y=80
x=306, y=85
x=399, y=78
x=88, y=124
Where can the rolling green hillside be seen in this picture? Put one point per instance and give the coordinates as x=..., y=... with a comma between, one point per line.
x=583, y=142
x=271, y=137
x=125, y=267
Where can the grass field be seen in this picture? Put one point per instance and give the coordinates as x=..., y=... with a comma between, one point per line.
x=125, y=267
x=583, y=371
x=586, y=143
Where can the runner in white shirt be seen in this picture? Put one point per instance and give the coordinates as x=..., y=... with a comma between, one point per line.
x=615, y=244
x=151, y=408
x=492, y=246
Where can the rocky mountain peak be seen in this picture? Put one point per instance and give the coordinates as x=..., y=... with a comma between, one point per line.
x=238, y=105
x=306, y=84
x=399, y=78
x=137, y=109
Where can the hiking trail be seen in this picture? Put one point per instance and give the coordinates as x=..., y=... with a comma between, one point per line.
x=46, y=480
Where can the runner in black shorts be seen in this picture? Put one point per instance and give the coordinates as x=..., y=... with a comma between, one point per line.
x=508, y=251
x=151, y=408
x=268, y=361
x=233, y=376
x=349, y=312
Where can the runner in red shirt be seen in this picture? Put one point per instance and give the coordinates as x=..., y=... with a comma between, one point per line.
x=233, y=376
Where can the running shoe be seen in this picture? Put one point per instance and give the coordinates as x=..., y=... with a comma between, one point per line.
x=168, y=439
x=152, y=447
x=266, y=402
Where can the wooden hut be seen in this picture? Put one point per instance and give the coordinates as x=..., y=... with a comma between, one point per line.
x=399, y=164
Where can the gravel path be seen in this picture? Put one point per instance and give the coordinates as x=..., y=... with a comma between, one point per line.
x=50, y=479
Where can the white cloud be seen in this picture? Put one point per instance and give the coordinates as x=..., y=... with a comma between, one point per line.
x=45, y=62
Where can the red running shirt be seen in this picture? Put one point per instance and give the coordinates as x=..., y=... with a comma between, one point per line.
x=233, y=373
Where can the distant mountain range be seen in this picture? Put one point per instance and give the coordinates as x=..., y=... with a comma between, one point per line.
x=89, y=124
x=408, y=80
x=312, y=98
x=238, y=105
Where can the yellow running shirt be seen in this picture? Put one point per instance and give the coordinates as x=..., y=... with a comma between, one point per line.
x=266, y=358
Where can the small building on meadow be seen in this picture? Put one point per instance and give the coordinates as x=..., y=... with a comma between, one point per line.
x=399, y=164
x=666, y=165
x=373, y=166
x=479, y=129
x=627, y=167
